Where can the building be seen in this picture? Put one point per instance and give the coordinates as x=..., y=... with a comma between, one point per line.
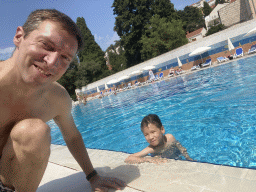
x=197, y=34
x=214, y=19
x=237, y=11
x=199, y=4
x=106, y=56
x=211, y=3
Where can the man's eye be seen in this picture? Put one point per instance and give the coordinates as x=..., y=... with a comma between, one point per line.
x=65, y=57
x=47, y=46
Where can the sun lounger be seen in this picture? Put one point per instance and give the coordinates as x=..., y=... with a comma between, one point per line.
x=177, y=72
x=252, y=49
x=239, y=53
x=181, y=71
x=161, y=75
x=195, y=67
x=207, y=63
x=222, y=59
x=156, y=77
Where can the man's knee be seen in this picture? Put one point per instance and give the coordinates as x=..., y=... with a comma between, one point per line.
x=32, y=136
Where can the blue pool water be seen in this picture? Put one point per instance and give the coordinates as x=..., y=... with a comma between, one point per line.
x=211, y=112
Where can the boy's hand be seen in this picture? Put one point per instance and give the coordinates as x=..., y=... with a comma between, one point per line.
x=158, y=160
x=100, y=184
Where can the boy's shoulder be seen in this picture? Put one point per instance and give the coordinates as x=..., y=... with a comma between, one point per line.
x=170, y=138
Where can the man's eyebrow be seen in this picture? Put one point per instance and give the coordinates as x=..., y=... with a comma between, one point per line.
x=46, y=38
x=51, y=42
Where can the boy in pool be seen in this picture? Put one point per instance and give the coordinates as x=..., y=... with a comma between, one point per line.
x=160, y=145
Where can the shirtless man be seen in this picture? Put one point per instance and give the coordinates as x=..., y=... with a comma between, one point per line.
x=30, y=96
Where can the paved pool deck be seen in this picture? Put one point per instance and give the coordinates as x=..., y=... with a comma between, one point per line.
x=63, y=174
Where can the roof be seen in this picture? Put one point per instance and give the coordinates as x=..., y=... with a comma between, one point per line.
x=231, y=1
x=194, y=33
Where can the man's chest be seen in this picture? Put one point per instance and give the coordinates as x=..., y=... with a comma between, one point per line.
x=12, y=112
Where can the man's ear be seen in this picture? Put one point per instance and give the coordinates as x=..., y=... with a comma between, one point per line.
x=19, y=35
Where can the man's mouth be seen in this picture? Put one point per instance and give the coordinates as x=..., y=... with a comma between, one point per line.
x=42, y=71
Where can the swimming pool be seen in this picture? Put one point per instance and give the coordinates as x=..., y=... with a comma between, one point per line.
x=211, y=112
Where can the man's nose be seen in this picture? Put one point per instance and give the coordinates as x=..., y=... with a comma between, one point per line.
x=52, y=59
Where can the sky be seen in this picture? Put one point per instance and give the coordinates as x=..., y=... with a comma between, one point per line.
x=98, y=16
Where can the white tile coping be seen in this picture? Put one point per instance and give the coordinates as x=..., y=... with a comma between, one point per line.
x=63, y=174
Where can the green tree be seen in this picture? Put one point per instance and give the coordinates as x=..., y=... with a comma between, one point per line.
x=207, y=9
x=162, y=36
x=118, y=62
x=192, y=18
x=87, y=72
x=131, y=18
x=219, y=2
x=215, y=29
x=165, y=9
x=92, y=66
x=91, y=52
x=69, y=78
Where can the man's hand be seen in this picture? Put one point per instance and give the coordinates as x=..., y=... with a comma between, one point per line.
x=102, y=184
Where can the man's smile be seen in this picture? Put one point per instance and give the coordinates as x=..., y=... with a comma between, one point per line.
x=42, y=71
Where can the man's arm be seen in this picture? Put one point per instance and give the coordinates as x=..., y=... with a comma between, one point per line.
x=77, y=148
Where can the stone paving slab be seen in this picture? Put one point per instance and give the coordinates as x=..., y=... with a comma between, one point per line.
x=64, y=174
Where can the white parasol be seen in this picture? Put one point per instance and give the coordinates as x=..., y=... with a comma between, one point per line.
x=179, y=62
x=251, y=32
x=123, y=78
x=199, y=51
x=98, y=90
x=230, y=45
x=149, y=67
x=112, y=81
x=106, y=87
x=136, y=72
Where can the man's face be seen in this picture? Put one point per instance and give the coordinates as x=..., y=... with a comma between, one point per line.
x=45, y=54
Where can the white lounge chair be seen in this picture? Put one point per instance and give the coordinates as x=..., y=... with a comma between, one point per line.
x=195, y=67
x=239, y=53
x=207, y=63
x=222, y=59
x=252, y=49
x=161, y=75
x=156, y=77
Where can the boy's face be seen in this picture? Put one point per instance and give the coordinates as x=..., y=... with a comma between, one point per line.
x=153, y=134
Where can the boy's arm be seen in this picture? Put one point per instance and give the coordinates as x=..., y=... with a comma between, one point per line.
x=183, y=150
x=140, y=157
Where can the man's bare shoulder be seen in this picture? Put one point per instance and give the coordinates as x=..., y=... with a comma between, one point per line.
x=59, y=96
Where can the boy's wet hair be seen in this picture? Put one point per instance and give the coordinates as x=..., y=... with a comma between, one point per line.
x=38, y=16
x=151, y=119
